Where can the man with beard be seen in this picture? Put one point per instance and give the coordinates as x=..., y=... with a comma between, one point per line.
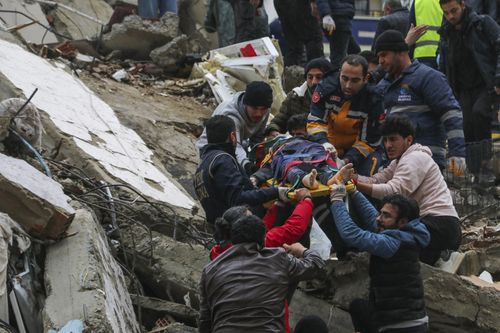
x=298, y=101
x=470, y=49
x=345, y=114
x=249, y=110
x=424, y=95
x=220, y=182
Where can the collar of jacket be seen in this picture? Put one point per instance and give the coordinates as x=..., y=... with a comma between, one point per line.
x=399, y=10
x=301, y=91
x=226, y=147
x=409, y=70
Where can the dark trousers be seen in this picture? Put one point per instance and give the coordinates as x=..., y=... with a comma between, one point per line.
x=477, y=112
x=300, y=29
x=246, y=21
x=446, y=234
x=340, y=40
x=361, y=316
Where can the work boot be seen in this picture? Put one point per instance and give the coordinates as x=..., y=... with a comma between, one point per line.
x=310, y=180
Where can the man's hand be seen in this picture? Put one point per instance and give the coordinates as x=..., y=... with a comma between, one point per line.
x=331, y=149
x=456, y=165
x=338, y=192
x=329, y=24
x=254, y=3
x=254, y=182
x=415, y=33
x=301, y=193
x=283, y=194
x=296, y=249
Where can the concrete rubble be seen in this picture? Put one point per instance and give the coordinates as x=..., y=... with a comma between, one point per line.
x=83, y=281
x=136, y=37
x=33, y=200
x=115, y=121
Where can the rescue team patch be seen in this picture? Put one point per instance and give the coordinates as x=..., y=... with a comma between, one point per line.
x=315, y=97
x=335, y=98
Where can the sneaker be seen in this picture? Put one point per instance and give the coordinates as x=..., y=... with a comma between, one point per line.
x=451, y=263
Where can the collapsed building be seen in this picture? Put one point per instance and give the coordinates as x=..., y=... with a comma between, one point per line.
x=100, y=228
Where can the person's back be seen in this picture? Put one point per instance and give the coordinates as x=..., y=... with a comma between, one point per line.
x=244, y=289
x=396, y=17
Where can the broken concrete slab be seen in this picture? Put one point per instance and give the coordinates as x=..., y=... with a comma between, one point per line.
x=33, y=200
x=336, y=319
x=32, y=33
x=71, y=18
x=159, y=308
x=83, y=281
x=136, y=38
x=170, y=54
x=90, y=125
x=173, y=272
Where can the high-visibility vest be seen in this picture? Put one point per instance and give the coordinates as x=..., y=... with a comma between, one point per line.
x=428, y=12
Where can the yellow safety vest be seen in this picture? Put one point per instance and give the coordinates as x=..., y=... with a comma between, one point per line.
x=428, y=12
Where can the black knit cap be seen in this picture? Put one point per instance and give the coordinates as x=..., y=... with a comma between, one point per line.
x=258, y=93
x=390, y=40
x=320, y=63
x=311, y=323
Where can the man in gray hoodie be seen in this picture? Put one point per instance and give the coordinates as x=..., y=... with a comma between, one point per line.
x=249, y=110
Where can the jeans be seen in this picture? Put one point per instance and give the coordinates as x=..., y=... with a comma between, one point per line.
x=156, y=8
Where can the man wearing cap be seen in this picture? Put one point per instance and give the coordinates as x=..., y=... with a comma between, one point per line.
x=298, y=101
x=424, y=95
x=345, y=112
x=249, y=110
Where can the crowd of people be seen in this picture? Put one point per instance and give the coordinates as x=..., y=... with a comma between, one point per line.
x=378, y=127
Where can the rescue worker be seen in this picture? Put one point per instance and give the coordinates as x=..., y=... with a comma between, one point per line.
x=245, y=288
x=394, y=238
x=424, y=95
x=426, y=13
x=220, y=182
x=345, y=114
x=250, y=112
x=414, y=174
x=298, y=101
x=470, y=53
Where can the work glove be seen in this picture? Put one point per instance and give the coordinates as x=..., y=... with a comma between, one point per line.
x=328, y=24
x=338, y=192
x=283, y=194
x=331, y=149
x=350, y=187
x=456, y=165
x=340, y=163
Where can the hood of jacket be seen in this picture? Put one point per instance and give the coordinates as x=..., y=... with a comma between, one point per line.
x=417, y=147
x=414, y=232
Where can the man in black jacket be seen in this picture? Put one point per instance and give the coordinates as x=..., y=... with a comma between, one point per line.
x=470, y=49
x=396, y=17
x=220, y=182
x=394, y=238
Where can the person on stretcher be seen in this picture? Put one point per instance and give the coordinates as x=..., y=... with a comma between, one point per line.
x=298, y=161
